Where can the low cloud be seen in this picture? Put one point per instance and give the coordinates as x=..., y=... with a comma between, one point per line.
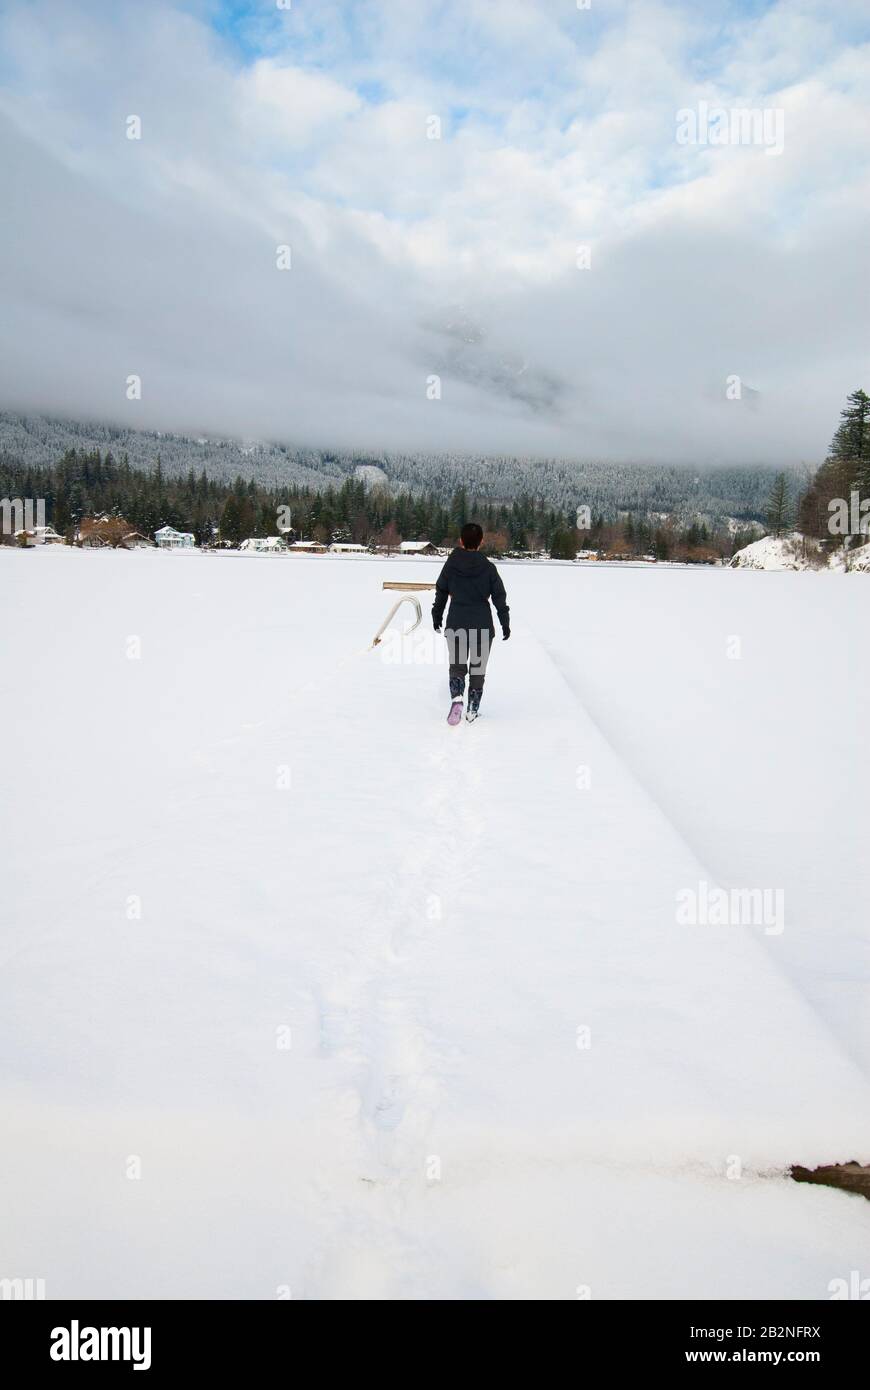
x=456, y=256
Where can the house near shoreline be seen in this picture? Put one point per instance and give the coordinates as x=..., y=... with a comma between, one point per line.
x=417, y=548
x=39, y=535
x=167, y=538
x=109, y=532
x=265, y=545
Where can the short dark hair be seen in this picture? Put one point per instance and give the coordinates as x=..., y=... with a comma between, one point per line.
x=471, y=535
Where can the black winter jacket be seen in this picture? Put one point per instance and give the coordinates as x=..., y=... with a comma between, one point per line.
x=470, y=580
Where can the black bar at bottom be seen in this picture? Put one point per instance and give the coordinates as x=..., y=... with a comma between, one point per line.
x=218, y=1339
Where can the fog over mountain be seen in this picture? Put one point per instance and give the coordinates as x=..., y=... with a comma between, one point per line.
x=737, y=491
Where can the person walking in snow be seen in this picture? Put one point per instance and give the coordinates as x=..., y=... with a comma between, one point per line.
x=469, y=580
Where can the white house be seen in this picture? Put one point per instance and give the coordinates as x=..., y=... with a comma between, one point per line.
x=417, y=548
x=170, y=539
x=40, y=535
x=346, y=548
x=270, y=545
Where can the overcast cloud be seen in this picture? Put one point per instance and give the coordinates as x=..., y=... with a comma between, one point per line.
x=455, y=257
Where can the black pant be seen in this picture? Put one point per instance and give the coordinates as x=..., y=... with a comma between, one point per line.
x=468, y=650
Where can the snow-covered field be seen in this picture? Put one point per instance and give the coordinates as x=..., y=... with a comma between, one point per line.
x=304, y=992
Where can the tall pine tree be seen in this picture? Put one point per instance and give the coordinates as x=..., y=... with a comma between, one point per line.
x=779, y=506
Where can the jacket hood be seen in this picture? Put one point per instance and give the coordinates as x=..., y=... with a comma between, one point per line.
x=468, y=561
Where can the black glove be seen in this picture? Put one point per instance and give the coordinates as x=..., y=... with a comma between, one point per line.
x=437, y=626
x=505, y=633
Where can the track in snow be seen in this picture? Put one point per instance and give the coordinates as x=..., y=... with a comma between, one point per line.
x=428, y=915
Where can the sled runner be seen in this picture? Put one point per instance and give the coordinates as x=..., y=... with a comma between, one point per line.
x=408, y=591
